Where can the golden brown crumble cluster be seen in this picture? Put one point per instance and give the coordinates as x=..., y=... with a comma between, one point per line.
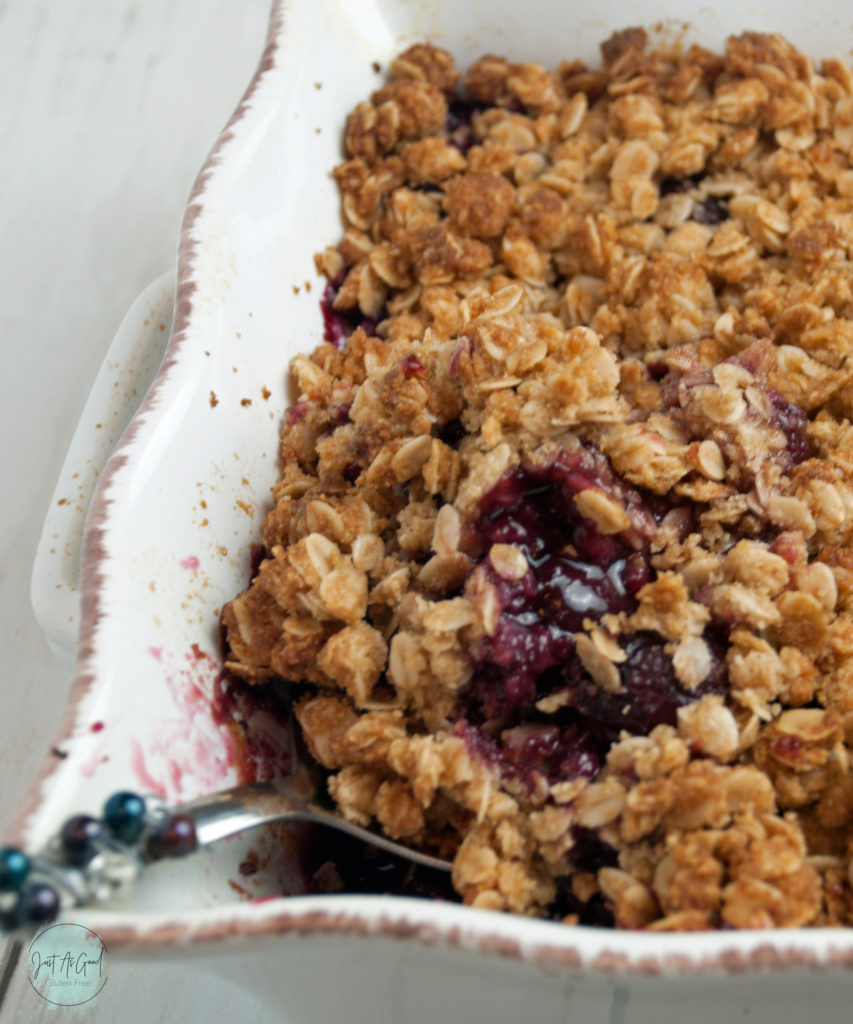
x=650, y=262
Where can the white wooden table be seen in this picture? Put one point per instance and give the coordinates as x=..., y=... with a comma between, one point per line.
x=107, y=111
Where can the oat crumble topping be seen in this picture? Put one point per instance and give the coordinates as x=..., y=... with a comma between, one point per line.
x=560, y=566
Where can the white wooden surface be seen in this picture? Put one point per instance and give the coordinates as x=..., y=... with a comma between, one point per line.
x=107, y=110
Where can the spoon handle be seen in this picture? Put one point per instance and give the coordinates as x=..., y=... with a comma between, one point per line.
x=95, y=859
x=219, y=815
x=284, y=799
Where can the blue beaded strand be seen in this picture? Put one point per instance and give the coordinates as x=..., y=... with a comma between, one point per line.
x=85, y=843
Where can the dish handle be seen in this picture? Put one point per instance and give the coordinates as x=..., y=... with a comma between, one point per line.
x=125, y=375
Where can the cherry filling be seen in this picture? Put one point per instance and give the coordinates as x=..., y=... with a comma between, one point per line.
x=792, y=421
x=531, y=706
x=707, y=211
x=458, y=123
x=653, y=695
x=338, y=324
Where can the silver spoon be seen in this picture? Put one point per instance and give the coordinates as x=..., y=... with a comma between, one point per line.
x=284, y=799
x=94, y=859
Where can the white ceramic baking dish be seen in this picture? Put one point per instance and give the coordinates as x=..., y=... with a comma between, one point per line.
x=168, y=541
